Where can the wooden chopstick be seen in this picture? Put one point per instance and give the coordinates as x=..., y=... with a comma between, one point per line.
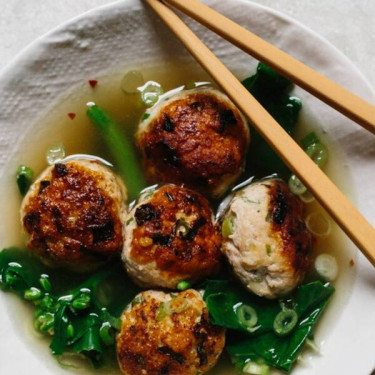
x=329, y=196
x=323, y=88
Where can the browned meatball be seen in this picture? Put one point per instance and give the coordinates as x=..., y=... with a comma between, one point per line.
x=168, y=334
x=266, y=239
x=197, y=137
x=73, y=213
x=170, y=237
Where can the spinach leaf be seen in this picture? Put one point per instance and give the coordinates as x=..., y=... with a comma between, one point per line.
x=271, y=90
x=90, y=345
x=309, y=301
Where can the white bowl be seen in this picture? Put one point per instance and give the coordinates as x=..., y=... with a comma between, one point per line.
x=127, y=33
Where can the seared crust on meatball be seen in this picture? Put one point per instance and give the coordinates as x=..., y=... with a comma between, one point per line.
x=198, y=137
x=170, y=237
x=73, y=213
x=165, y=334
x=269, y=245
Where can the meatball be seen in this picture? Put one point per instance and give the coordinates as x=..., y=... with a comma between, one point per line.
x=170, y=237
x=168, y=334
x=265, y=238
x=73, y=214
x=197, y=137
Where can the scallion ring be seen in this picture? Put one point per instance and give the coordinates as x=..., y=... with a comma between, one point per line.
x=326, y=266
x=55, y=153
x=150, y=93
x=131, y=81
x=254, y=368
x=227, y=227
x=318, y=224
x=247, y=316
x=318, y=153
x=163, y=311
x=296, y=186
x=307, y=197
x=285, y=321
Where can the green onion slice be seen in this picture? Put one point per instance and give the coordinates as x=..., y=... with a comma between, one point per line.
x=165, y=308
x=318, y=153
x=227, y=228
x=247, y=317
x=131, y=81
x=307, y=197
x=285, y=321
x=163, y=311
x=254, y=368
x=326, y=266
x=309, y=139
x=150, y=93
x=296, y=186
x=55, y=153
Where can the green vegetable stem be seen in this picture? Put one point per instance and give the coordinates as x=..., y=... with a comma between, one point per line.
x=121, y=150
x=24, y=178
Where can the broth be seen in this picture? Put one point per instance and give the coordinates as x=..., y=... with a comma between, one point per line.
x=79, y=136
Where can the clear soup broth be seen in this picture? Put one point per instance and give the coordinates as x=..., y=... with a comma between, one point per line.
x=79, y=137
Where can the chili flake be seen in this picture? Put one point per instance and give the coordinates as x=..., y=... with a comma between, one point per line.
x=93, y=82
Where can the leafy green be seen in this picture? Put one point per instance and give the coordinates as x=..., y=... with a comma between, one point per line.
x=271, y=90
x=75, y=327
x=60, y=337
x=223, y=297
x=121, y=149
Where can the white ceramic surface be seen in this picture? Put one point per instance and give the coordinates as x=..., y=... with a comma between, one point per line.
x=124, y=33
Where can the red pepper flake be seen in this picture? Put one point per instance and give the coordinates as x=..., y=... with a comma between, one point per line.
x=93, y=82
x=71, y=115
x=351, y=263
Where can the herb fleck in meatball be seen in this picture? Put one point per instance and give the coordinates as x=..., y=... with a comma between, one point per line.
x=170, y=237
x=73, y=213
x=168, y=334
x=266, y=240
x=197, y=137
